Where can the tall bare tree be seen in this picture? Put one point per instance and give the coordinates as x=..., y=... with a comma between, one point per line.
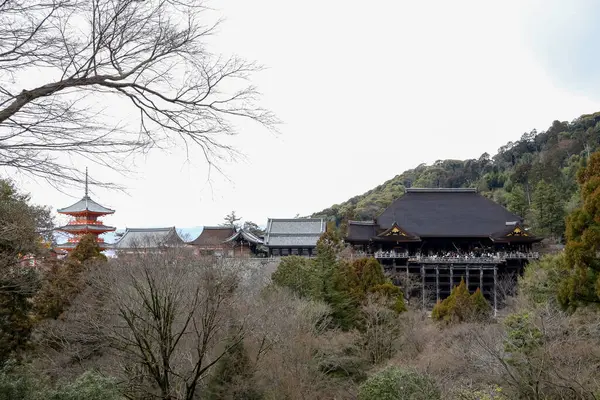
x=64, y=62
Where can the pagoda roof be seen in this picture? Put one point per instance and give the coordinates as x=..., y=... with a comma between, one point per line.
x=447, y=213
x=148, y=238
x=213, y=236
x=71, y=246
x=296, y=232
x=246, y=235
x=86, y=204
x=86, y=227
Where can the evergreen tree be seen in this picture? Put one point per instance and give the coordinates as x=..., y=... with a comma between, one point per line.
x=233, y=377
x=582, y=283
x=232, y=220
x=87, y=250
x=549, y=212
x=461, y=306
x=517, y=201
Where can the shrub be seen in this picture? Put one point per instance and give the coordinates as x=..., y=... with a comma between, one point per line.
x=461, y=306
x=297, y=274
x=398, y=384
x=540, y=281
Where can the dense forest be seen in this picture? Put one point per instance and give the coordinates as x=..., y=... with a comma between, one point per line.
x=533, y=177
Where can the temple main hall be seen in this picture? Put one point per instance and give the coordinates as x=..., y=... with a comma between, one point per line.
x=437, y=237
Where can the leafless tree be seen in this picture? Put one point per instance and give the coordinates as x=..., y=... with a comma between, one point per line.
x=157, y=321
x=65, y=63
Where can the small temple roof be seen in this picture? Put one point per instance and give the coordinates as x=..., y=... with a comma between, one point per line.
x=148, y=238
x=447, y=213
x=297, y=232
x=246, y=235
x=85, y=204
x=213, y=236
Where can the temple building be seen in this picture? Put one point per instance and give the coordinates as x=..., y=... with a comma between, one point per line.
x=211, y=241
x=148, y=240
x=297, y=236
x=439, y=236
x=85, y=220
x=244, y=243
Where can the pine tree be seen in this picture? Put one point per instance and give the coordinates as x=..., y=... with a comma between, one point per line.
x=548, y=209
x=461, y=306
x=87, y=250
x=582, y=283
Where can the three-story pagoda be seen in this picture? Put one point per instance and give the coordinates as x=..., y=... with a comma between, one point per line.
x=85, y=220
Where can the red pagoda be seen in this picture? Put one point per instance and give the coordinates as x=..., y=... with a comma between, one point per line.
x=85, y=220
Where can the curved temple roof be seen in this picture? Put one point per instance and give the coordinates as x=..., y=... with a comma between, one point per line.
x=248, y=236
x=85, y=204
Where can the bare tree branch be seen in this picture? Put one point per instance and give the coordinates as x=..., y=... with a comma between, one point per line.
x=148, y=56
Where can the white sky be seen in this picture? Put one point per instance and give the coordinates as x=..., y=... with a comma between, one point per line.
x=366, y=90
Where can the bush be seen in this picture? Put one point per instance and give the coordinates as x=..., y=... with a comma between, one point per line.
x=398, y=384
x=297, y=274
x=23, y=385
x=540, y=281
x=492, y=393
x=461, y=306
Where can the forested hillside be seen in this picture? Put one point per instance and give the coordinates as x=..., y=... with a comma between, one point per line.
x=534, y=177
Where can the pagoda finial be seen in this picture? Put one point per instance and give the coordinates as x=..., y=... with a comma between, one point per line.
x=86, y=182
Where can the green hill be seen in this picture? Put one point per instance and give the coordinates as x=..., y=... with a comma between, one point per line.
x=534, y=176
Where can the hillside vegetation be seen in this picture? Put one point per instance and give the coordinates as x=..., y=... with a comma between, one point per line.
x=534, y=177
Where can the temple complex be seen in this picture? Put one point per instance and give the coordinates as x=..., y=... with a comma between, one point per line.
x=436, y=237
x=85, y=220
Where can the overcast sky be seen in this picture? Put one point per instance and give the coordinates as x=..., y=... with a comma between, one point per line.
x=366, y=90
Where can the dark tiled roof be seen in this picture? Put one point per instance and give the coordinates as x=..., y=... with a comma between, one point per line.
x=86, y=204
x=297, y=232
x=361, y=231
x=148, y=238
x=213, y=236
x=248, y=236
x=446, y=213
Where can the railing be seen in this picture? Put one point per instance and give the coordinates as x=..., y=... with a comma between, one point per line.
x=485, y=259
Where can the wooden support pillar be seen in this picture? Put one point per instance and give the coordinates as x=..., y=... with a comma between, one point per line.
x=451, y=278
x=481, y=278
x=423, y=284
x=467, y=275
x=495, y=291
x=437, y=283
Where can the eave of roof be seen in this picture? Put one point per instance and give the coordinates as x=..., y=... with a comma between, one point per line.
x=86, y=227
x=86, y=204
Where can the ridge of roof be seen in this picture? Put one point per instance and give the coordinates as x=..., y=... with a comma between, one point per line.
x=368, y=223
x=217, y=227
x=441, y=190
x=296, y=219
x=149, y=229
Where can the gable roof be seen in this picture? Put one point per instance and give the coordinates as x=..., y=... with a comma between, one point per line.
x=86, y=204
x=148, y=238
x=246, y=235
x=296, y=232
x=447, y=213
x=213, y=236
